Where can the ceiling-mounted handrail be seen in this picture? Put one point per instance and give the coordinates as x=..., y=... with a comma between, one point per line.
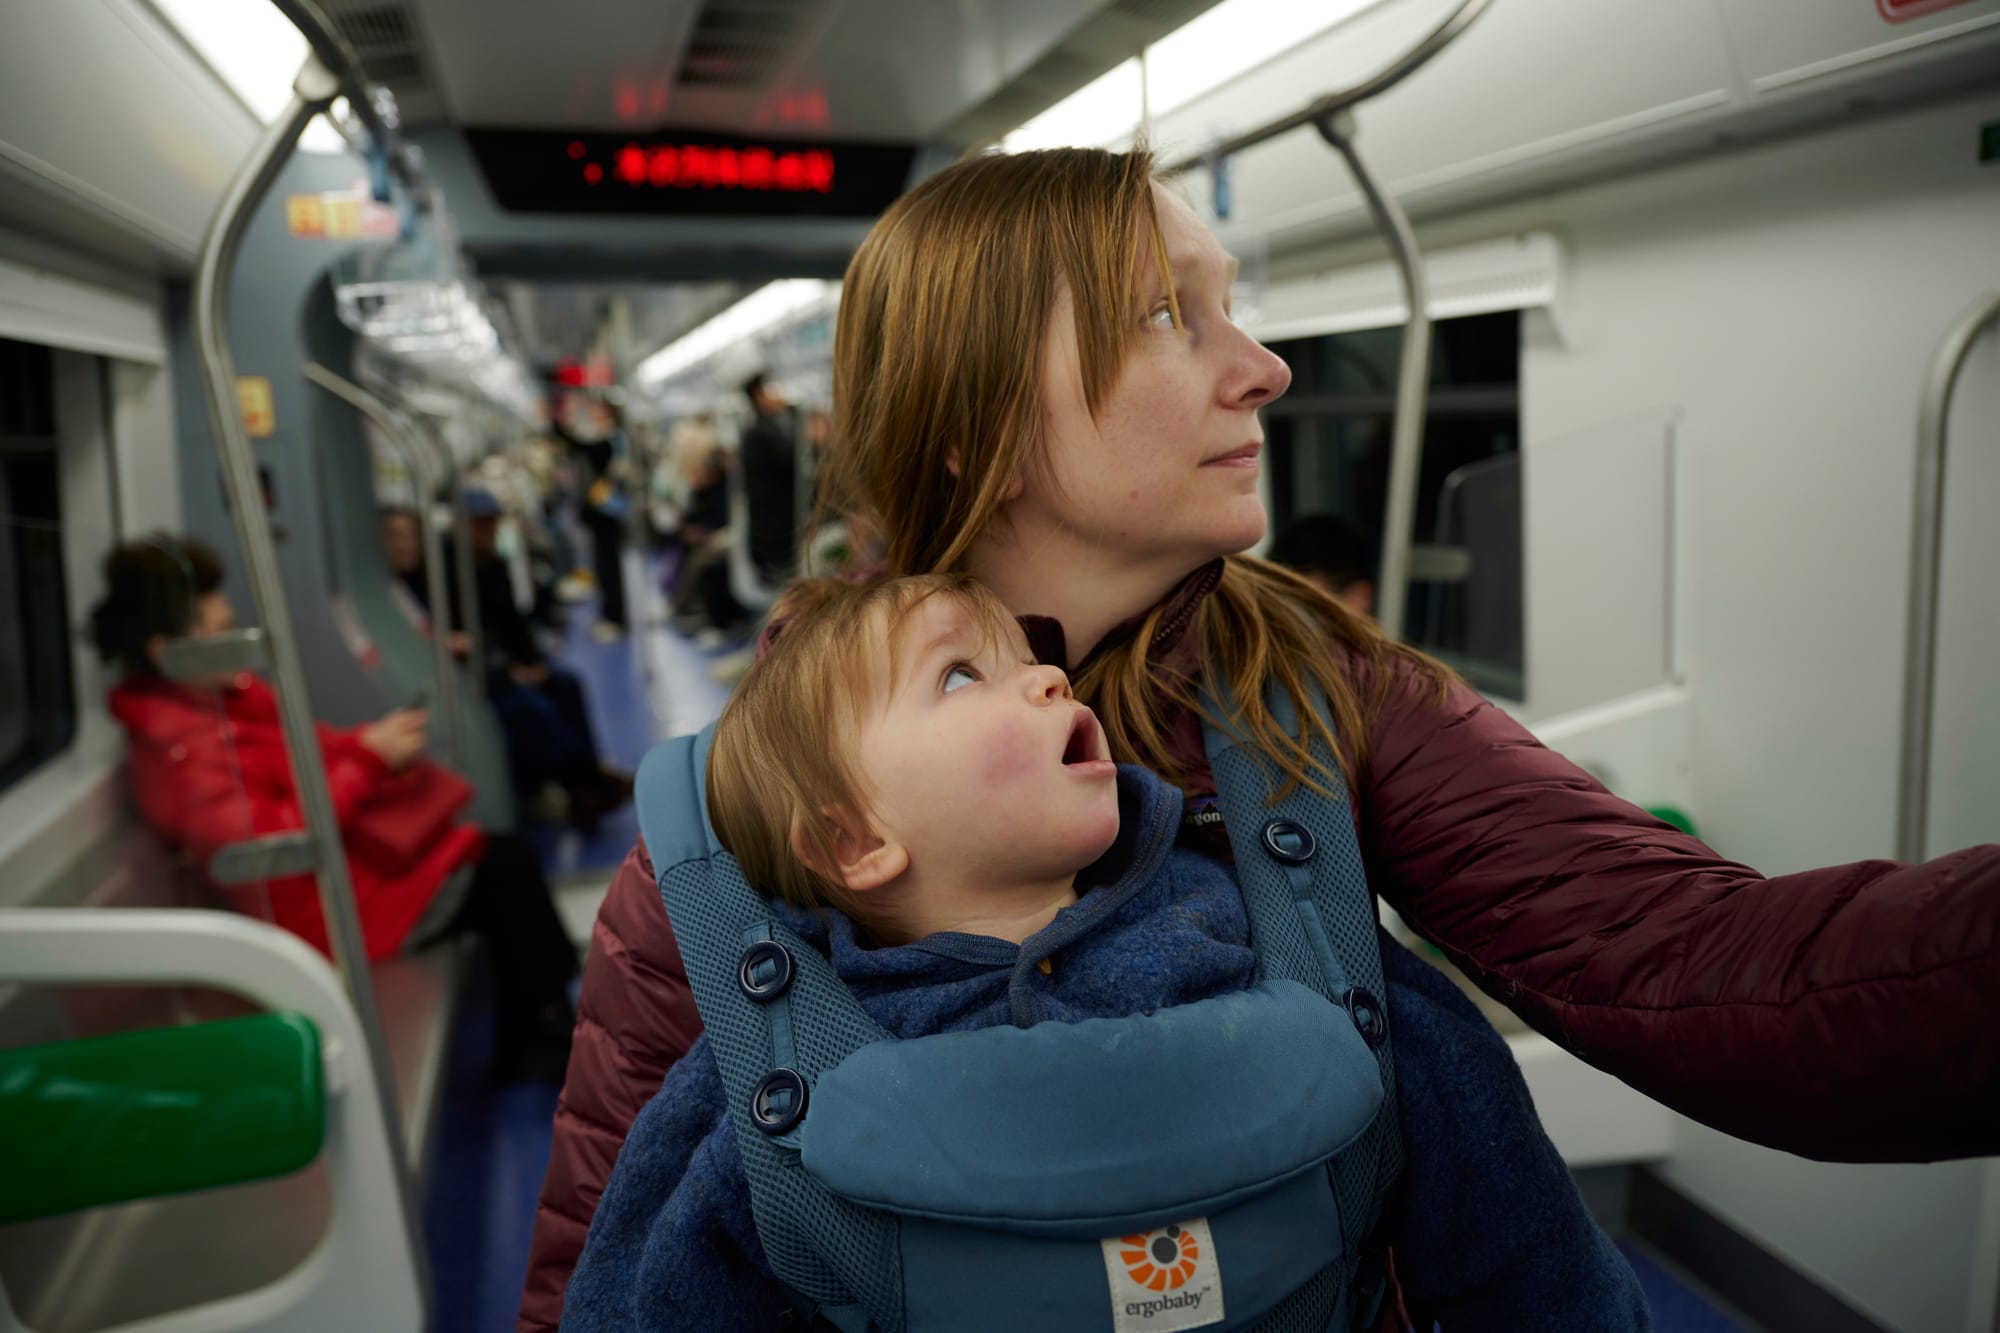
x=1330, y=104
x=1330, y=114
x=1926, y=551
x=313, y=91
x=1413, y=377
x=403, y=437
x=338, y=58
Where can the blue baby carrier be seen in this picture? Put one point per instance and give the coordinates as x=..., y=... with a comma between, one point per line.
x=1219, y=1164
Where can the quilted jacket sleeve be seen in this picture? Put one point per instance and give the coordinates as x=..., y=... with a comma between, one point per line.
x=1844, y=1013
x=635, y=1018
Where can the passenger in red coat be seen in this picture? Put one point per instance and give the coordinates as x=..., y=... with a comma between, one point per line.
x=1037, y=380
x=208, y=768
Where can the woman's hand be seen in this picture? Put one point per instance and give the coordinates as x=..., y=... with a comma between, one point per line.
x=398, y=737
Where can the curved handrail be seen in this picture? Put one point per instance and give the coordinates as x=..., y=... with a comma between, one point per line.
x=461, y=539
x=338, y=58
x=400, y=435
x=1392, y=577
x=1926, y=551
x=1330, y=114
x=312, y=92
x=1330, y=104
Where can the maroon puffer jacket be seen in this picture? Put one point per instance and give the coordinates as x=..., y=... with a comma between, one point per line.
x=1843, y=1013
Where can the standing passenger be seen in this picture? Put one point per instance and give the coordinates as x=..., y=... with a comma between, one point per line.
x=1038, y=381
x=767, y=463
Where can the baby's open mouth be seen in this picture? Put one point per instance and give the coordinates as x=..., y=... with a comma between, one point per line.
x=1085, y=740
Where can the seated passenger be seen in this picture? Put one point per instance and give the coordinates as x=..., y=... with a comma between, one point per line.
x=1329, y=551
x=987, y=865
x=208, y=768
x=552, y=752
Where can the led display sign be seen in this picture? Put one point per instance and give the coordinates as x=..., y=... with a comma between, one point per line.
x=694, y=173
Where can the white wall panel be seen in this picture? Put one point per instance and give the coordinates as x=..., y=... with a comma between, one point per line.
x=1785, y=301
x=104, y=110
x=1781, y=43
x=40, y=305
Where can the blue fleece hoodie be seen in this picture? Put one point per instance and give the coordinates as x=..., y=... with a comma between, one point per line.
x=1487, y=1229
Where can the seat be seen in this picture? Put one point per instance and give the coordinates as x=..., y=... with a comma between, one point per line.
x=107, y=1266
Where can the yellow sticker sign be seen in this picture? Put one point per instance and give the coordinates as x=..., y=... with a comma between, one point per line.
x=253, y=400
x=305, y=215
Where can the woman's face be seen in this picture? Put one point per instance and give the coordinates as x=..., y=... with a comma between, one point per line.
x=1166, y=474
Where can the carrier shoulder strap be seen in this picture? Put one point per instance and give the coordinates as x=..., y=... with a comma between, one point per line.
x=777, y=1016
x=1312, y=916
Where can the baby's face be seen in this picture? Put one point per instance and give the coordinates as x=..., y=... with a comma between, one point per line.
x=978, y=761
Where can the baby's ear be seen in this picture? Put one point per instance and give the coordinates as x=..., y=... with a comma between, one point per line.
x=853, y=856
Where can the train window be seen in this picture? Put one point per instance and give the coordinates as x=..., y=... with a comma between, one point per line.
x=1329, y=453
x=37, y=698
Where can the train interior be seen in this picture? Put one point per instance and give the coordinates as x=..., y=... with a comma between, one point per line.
x=1703, y=278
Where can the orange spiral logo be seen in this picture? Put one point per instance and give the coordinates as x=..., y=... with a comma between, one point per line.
x=1160, y=1260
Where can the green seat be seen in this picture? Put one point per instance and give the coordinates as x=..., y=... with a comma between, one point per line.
x=137, y=1115
x=1668, y=814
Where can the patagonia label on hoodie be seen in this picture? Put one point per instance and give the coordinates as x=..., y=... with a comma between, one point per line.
x=1164, y=1279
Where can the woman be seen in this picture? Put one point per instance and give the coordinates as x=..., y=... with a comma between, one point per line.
x=1037, y=380
x=208, y=768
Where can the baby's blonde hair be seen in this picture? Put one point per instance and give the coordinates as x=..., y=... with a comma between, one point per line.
x=780, y=773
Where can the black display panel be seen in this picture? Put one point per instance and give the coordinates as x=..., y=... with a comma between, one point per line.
x=689, y=173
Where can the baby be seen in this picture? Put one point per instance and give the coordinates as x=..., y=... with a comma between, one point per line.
x=899, y=757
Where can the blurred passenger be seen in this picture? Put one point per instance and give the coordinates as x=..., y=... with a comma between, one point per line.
x=208, y=768
x=552, y=752
x=597, y=438
x=1332, y=555
x=677, y=503
x=769, y=467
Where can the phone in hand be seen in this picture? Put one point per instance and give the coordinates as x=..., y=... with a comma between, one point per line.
x=420, y=700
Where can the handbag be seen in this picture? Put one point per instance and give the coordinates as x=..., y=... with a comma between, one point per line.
x=408, y=816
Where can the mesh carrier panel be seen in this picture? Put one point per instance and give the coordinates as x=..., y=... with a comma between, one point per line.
x=836, y=1253
x=1313, y=1308
x=820, y=1245
x=1245, y=782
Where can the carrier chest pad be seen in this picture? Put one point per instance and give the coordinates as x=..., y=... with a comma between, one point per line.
x=1095, y=1128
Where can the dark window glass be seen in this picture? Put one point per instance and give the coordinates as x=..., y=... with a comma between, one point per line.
x=1329, y=453
x=37, y=699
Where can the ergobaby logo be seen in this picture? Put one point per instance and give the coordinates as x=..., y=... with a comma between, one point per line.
x=1165, y=1279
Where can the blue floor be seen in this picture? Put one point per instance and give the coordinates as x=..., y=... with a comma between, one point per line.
x=486, y=1174
x=1676, y=1307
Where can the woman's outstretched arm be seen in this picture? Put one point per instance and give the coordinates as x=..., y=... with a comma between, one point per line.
x=1844, y=1013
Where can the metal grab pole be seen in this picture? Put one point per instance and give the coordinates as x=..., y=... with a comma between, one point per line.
x=1392, y=580
x=312, y=92
x=402, y=437
x=1926, y=552
x=461, y=535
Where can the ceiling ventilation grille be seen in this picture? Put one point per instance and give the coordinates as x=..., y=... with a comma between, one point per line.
x=384, y=35
x=740, y=43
